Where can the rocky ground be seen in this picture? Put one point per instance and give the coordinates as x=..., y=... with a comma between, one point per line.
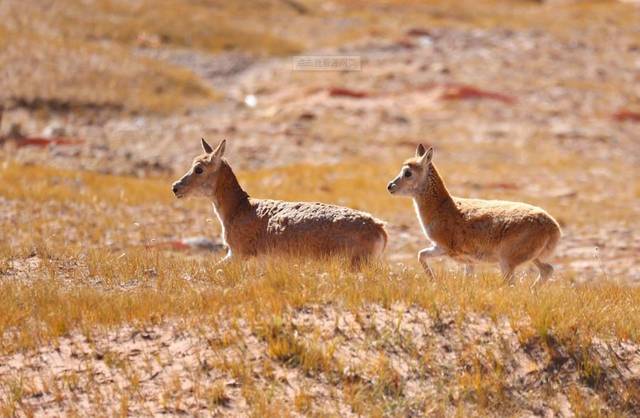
x=429, y=366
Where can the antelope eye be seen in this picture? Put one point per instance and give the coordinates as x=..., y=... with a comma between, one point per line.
x=407, y=173
x=198, y=170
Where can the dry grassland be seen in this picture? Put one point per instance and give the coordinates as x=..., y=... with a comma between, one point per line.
x=55, y=53
x=102, y=314
x=77, y=267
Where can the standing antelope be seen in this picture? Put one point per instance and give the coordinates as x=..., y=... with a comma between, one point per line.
x=257, y=226
x=471, y=230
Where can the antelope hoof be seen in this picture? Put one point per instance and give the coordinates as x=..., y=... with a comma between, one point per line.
x=224, y=260
x=427, y=269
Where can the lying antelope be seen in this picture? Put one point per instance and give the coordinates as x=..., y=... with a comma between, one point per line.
x=253, y=227
x=472, y=230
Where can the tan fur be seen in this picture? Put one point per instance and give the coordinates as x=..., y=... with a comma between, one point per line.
x=253, y=227
x=472, y=230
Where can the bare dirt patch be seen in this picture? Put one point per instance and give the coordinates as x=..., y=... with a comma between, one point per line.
x=325, y=359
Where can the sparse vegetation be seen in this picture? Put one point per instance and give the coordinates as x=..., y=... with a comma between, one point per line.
x=46, y=45
x=90, y=264
x=119, y=282
x=216, y=395
x=106, y=310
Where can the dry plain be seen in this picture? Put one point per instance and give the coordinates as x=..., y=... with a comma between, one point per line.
x=107, y=309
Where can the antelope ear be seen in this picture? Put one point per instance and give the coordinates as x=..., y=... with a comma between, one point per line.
x=206, y=147
x=427, y=156
x=219, y=151
x=420, y=150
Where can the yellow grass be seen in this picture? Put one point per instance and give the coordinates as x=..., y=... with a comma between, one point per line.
x=264, y=295
x=213, y=27
x=93, y=270
x=62, y=74
x=169, y=286
x=73, y=258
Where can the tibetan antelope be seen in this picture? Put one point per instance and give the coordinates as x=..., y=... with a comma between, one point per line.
x=472, y=230
x=252, y=227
